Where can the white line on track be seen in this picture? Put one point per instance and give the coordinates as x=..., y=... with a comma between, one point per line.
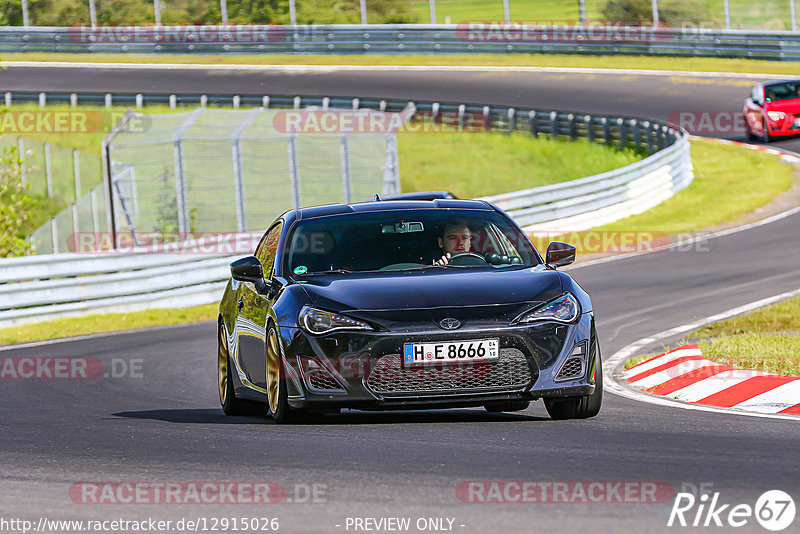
x=299, y=69
x=611, y=364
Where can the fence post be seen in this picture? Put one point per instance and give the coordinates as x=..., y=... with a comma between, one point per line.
x=506, y=12
x=108, y=100
x=292, y=13
x=391, y=176
x=76, y=173
x=589, y=128
x=607, y=131
x=554, y=124
x=512, y=120
x=623, y=133
x=572, y=131
x=487, y=118
x=726, y=6
x=534, y=124
x=347, y=186
x=432, y=6
x=363, y=11
x=294, y=173
x=48, y=170
x=238, y=185
x=93, y=14
x=42, y=100
x=793, y=14
x=655, y=13
x=76, y=227
x=95, y=218
x=21, y=157
x=649, y=134
x=223, y=9
x=54, y=234
x=461, y=109
x=25, y=20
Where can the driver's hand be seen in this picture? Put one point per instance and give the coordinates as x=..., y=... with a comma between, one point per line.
x=444, y=260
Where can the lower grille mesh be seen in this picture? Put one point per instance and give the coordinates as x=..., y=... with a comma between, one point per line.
x=572, y=368
x=510, y=371
x=322, y=381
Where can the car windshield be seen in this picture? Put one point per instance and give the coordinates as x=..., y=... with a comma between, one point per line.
x=782, y=91
x=406, y=239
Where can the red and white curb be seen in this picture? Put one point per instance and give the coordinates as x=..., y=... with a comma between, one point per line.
x=790, y=157
x=684, y=374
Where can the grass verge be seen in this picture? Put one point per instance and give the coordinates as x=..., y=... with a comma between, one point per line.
x=461, y=162
x=767, y=339
x=729, y=182
x=699, y=64
x=98, y=323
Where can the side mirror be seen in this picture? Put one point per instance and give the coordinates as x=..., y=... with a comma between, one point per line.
x=559, y=254
x=249, y=270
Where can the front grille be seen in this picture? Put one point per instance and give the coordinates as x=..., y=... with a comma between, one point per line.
x=572, y=368
x=510, y=371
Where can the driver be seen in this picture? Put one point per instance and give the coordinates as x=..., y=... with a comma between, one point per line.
x=456, y=238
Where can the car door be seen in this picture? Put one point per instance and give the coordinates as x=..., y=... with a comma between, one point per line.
x=252, y=313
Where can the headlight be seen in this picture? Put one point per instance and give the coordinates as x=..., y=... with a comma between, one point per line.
x=564, y=309
x=776, y=115
x=317, y=322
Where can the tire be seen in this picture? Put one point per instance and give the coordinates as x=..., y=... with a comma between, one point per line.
x=227, y=395
x=507, y=406
x=277, y=395
x=750, y=135
x=582, y=407
x=766, y=137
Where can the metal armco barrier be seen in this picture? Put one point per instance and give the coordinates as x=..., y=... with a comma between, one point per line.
x=64, y=285
x=407, y=39
x=159, y=280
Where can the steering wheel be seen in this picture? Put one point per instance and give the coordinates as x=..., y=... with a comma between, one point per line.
x=467, y=258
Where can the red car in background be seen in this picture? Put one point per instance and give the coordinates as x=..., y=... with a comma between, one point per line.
x=773, y=110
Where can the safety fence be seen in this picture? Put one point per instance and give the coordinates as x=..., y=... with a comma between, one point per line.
x=63, y=285
x=477, y=37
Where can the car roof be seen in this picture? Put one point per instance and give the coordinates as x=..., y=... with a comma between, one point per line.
x=392, y=205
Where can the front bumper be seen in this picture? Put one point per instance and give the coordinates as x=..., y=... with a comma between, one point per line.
x=363, y=370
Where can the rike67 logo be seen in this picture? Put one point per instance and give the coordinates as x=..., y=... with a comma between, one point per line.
x=774, y=510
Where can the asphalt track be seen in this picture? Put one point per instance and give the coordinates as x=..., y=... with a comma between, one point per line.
x=164, y=424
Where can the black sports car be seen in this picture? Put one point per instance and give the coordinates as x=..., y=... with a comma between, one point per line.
x=405, y=304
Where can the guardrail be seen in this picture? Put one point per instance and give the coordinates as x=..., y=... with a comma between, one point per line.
x=64, y=285
x=56, y=286
x=407, y=38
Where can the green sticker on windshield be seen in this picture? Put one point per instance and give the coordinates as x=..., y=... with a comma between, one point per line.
x=300, y=269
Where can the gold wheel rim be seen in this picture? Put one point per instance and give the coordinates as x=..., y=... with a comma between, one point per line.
x=222, y=367
x=272, y=371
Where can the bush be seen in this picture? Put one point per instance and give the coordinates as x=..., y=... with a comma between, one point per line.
x=670, y=12
x=16, y=206
x=73, y=12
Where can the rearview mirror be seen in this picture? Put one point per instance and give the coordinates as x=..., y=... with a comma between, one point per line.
x=559, y=254
x=249, y=269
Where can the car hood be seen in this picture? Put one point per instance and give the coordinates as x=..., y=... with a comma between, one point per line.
x=433, y=294
x=787, y=106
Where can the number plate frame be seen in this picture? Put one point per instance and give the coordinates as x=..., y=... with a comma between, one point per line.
x=491, y=346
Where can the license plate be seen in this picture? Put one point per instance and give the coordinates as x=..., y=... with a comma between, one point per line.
x=480, y=350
